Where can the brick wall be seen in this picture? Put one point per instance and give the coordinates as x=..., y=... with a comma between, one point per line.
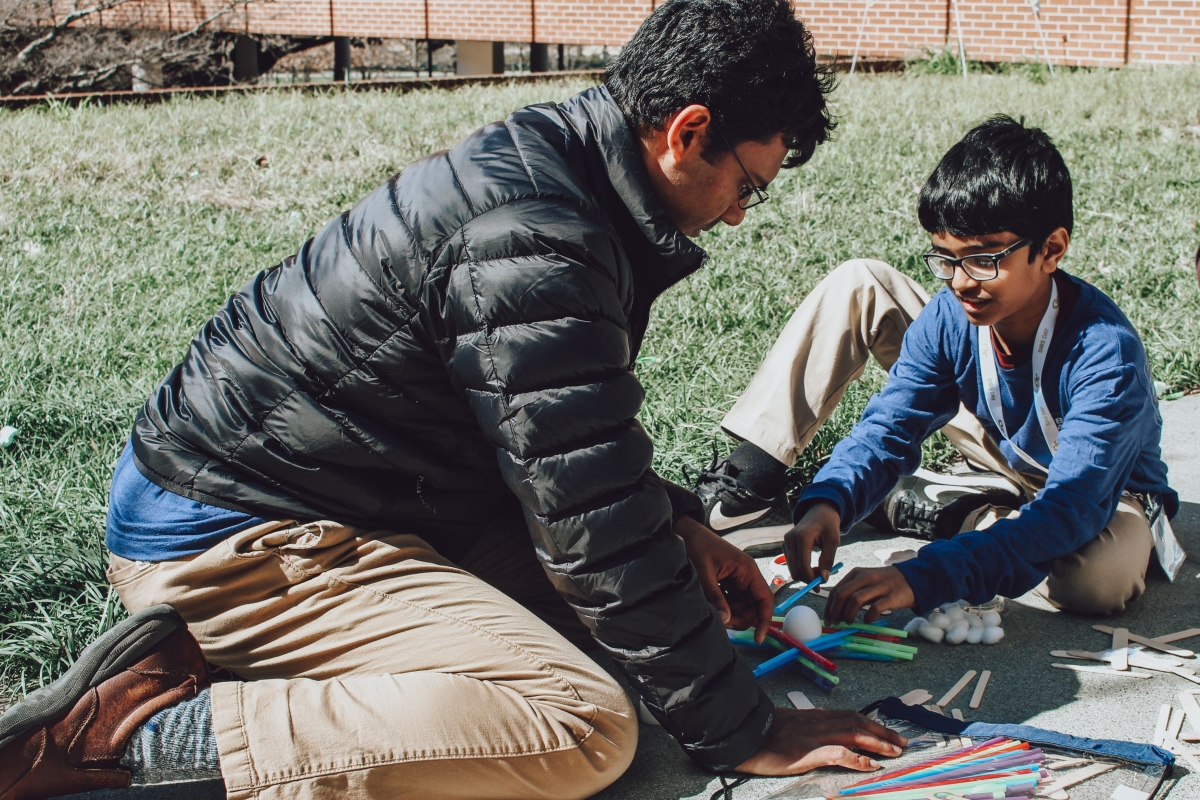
x=1164, y=31
x=1076, y=32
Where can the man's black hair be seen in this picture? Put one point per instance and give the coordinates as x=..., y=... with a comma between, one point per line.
x=1002, y=176
x=750, y=62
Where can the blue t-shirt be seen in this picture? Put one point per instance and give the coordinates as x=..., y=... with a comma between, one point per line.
x=149, y=523
x=1098, y=387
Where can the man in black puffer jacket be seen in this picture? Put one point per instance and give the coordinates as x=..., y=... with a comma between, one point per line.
x=350, y=459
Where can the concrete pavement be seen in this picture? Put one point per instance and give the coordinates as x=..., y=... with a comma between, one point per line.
x=1024, y=688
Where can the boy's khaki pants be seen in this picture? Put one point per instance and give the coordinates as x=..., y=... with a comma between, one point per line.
x=862, y=309
x=375, y=668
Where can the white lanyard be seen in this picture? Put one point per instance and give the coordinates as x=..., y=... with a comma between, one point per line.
x=991, y=381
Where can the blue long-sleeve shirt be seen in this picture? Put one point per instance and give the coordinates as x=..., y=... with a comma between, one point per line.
x=1098, y=387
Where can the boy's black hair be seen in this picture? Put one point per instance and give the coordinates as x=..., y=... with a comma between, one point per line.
x=1002, y=176
x=750, y=62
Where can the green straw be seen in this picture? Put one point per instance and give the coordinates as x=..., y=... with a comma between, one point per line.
x=862, y=626
x=899, y=648
x=862, y=648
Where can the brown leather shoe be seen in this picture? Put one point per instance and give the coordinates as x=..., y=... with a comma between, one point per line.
x=69, y=736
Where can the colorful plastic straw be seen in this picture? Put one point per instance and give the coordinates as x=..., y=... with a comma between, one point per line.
x=811, y=655
x=817, y=581
x=822, y=643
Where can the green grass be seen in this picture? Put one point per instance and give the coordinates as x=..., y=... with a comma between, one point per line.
x=123, y=228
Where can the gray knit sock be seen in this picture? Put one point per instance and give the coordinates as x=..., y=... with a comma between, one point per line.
x=176, y=744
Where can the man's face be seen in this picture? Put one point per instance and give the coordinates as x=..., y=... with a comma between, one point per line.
x=1019, y=283
x=698, y=193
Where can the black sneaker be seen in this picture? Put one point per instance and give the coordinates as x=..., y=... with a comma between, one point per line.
x=928, y=505
x=743, y=518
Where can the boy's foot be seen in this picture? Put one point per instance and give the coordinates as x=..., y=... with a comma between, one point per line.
x=69, y=737
x=739, y=515
x=928, y=505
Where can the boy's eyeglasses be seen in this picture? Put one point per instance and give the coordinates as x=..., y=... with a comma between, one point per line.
x=750, y=196
x=980, y=267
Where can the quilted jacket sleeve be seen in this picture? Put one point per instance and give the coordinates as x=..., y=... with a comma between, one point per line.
x=543, y=353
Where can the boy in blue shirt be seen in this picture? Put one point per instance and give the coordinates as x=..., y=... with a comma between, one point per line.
x=1074, y=473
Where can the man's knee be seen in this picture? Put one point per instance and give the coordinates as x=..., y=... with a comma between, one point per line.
x=609, y=748
x=1078, y=585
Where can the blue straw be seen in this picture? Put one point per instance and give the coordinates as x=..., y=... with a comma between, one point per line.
x=817, y=581
x=829, y=640
x=772, y=664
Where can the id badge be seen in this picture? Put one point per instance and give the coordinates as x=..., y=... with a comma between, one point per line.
x=1170, y=554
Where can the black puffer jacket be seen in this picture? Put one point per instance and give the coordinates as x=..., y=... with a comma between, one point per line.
x=460, y=346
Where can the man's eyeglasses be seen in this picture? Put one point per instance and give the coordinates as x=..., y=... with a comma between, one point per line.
x=980, y=267
x=750, y=195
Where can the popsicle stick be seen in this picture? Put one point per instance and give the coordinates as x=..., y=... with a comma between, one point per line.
x=916, y=697
x=1067, y=763
x=1160, y=728
x=1175, y=637
x=949, y=696
x=800, y=700
x=1120, y=641
x=1102, y=671
x=1176, y=747
x=1166, y=648
x=1189, y=706
x=977, y=698
x=957, y=714
x=1174, y=725
x=1075, y=776
x=936, y=709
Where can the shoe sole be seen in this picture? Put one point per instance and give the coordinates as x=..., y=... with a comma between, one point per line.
x=768, y=535
x=968, y=480
x=119, y=648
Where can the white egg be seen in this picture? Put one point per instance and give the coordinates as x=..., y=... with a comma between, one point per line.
x=974, y=621
x=940, y=620
x=932, y=632
x=992, y=635
x=957, y=633
x=915, y=624
x=991, y=619
x=802, y=624
x=975, y=635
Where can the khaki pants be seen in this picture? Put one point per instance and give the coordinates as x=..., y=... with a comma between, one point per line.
x=372, y=667
x=862, y=309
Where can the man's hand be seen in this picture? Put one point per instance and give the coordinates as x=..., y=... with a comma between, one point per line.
x=731, y=580
x=882, y=588
x=800, y=741
x=821, y=528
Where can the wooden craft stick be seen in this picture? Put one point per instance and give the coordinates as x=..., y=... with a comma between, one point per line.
x=800, y=700
x=1102, y=671
x=1075, y=776
x=1175, y=637
x=977, y=698
x=1174, y=725
x=1176, y=747
x=1120, y=642
x=1166, y=648
x=949, y=696
x=936, y=709
x=957, y=714
x=1066, y=763
x=1189, y=706
x=1160, y=728
x=916, y=697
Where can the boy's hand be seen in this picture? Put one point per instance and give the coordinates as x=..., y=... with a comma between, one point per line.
x=820, y=528
x=800, y=741
x=732, y=582
x=882, y=588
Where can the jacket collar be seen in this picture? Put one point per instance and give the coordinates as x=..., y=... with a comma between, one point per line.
x=599, y=121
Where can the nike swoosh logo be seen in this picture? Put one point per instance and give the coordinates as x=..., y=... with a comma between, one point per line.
x=932, y=492
x=719, y=522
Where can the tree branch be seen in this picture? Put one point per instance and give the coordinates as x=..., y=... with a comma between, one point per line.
x=75, y=15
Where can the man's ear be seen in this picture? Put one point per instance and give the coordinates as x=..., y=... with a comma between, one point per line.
x=1054, y=248
x=687, y=134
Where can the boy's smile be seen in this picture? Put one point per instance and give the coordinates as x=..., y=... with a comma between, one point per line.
x=1014, y=301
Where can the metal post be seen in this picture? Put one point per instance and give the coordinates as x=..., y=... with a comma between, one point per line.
x=962, y=51
x=858, y=42
x=1036, y=7
x=341, y=59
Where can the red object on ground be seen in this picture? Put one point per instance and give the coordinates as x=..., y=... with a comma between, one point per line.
x=811, y=655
